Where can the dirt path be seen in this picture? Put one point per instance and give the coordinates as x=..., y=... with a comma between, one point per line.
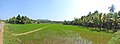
x=30, y=31
x=1, y=32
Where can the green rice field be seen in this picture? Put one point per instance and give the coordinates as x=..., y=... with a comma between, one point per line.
x=53, y=34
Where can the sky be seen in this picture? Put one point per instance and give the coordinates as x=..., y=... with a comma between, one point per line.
x=58, y=10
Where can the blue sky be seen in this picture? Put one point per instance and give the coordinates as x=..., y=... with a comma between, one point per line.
x=53, y=9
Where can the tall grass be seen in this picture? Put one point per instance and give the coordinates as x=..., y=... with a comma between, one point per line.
x=8, y=38
x=115, y=38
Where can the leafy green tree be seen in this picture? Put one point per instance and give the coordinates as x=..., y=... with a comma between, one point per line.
x=12, y=20
x=18, y=19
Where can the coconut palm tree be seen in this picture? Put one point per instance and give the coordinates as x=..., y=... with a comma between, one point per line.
x=112, y=8
x=115, y=21
x=100, y=21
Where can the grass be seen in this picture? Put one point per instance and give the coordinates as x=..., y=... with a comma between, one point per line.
x=8, y=38
x=20, y=28
x=58, y=34
x=115, y=39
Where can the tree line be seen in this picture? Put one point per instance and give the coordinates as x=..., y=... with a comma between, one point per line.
x=25, y=20
x=19, y=20
x=103, y=21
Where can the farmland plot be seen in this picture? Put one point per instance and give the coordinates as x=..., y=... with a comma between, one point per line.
x=59, y=34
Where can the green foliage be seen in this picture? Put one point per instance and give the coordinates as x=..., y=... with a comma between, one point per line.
x=105, y=22
x=115, y=39
x=67, y=22
x=20, y=20
x=25, y=20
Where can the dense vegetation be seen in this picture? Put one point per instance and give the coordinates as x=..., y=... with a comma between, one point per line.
x=19, y=20
x=56, y=34
x=25, y=20
x=105, y=22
